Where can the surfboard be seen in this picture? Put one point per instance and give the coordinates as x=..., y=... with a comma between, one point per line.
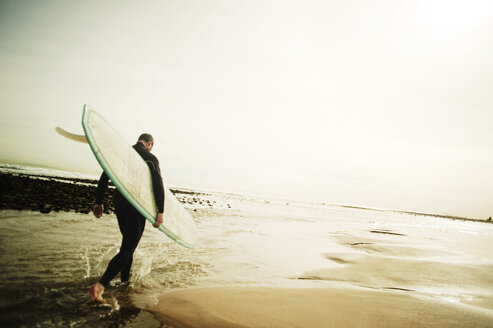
x=131, y=176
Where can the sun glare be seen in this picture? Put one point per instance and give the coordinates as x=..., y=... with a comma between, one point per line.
x=447, y=18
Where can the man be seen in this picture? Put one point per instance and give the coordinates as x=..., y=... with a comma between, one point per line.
x=130, y=221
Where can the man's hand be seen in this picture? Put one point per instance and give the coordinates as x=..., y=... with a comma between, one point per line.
x=159, y=220
x=98, y=210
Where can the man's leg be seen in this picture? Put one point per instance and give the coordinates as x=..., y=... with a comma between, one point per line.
x=130, y=227
x=125, y=271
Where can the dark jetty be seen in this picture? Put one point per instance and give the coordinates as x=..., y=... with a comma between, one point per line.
x=19, y=191
x=46, y=194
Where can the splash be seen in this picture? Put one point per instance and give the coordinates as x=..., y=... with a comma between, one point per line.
x=85, y=256
x=144, y=265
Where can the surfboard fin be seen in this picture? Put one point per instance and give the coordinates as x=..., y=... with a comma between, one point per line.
x=75, y=137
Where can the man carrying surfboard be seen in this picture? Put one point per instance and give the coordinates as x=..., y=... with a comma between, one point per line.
x=130, y=221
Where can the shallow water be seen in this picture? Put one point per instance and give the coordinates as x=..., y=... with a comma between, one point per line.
x=48, y=261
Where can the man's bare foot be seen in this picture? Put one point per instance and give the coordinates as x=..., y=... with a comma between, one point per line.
x=95, y=292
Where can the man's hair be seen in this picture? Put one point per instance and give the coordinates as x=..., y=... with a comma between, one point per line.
x=146, y=137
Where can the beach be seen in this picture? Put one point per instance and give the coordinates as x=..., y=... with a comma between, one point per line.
x=259, y=263
x=314, y=307
x=379, y=272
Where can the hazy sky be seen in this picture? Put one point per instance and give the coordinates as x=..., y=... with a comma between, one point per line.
x=385, y=104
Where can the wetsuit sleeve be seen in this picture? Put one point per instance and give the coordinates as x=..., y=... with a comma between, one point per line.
x=102, y=186
x=157, y=184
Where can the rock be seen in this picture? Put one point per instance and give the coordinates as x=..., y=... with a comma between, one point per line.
x=46, y=209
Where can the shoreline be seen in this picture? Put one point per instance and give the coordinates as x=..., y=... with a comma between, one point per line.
x=57, y=193
x=441, y=216
x=311, y=307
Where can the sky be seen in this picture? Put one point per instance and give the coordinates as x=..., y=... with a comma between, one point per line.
x=382, y=104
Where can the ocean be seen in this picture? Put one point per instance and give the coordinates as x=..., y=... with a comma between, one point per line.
x=48, y=261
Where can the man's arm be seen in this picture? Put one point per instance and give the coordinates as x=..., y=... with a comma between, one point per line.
x=98, y=208
x=158, y=189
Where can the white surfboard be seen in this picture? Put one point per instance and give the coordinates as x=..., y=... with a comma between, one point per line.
x=131, y=176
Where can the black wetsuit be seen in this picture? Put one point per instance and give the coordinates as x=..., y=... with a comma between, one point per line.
x=130, y=221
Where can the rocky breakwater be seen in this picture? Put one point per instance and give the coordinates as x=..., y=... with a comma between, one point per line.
x=50, y=193
x=46, y=194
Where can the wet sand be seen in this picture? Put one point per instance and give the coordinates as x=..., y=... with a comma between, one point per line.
x=314, y=307
x=419, y=277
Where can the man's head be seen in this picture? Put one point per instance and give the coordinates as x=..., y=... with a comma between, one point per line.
x=147, y=140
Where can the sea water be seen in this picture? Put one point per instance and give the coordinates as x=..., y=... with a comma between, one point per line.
x=48, y=261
